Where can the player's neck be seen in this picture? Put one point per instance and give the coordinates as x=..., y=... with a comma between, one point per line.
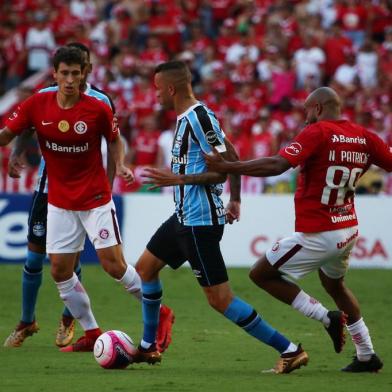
x=183, y=104
x=67, y=101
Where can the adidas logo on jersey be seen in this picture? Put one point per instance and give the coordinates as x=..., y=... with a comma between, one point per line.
x=346, y=139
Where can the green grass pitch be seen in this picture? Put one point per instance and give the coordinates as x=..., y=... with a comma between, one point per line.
x=208, y=353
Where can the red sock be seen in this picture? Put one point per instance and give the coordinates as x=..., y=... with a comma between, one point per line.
x=93, y=333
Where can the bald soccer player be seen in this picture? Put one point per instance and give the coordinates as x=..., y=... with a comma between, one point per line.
x=332, y=153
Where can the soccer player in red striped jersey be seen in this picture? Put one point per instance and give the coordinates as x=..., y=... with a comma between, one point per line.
x=332, y=154
x=69, y=126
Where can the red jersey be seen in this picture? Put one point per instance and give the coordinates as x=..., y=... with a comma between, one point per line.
x=332, y=156
x=70, y=141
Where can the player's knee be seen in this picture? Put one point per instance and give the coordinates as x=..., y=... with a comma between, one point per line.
x=253, y=275
x=218, y=301
x=115, y=269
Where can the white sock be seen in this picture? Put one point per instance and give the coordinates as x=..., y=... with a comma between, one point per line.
x=291, y=349
x=77, y=301
x=361, y=339
x=310, y=307
x=132, y=282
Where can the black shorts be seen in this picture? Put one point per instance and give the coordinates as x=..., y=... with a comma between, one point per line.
x=174, y=243
x=38, y=218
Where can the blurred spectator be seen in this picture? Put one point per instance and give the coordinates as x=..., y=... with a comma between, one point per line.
x=367, y=63
x=336, y=48
x=309, y=62
x=144, y=145
x=346, y=79
x=13, y=55
x=352, y=16
x=40, y=44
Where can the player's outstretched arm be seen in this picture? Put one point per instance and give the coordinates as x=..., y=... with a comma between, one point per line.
x=262, y=167
x=15, y=163
x=6, y=136
x=158, y=178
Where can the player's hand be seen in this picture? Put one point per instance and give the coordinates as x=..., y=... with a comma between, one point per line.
x=158, y=178
x=233, y=211
x=126, y=174
x=215, y=162
x=15, y=166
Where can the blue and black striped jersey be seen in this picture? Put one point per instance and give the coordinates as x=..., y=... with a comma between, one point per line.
x=197, y=132
x=92, y=91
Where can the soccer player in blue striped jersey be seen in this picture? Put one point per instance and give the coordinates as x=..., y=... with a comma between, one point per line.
x=194, y=232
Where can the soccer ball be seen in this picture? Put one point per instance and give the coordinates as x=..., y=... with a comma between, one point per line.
x=114, y=350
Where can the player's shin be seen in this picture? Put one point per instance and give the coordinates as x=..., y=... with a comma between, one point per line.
x=151, y=302
x=31, y=282
x=242, y=314
x=132, y=282
x=76, y=299
x=311, y=308
x=361, y=339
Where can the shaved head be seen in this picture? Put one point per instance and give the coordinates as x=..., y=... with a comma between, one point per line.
x=175, y=72
x=322, y=104
x=324, y=96
x=173, y=83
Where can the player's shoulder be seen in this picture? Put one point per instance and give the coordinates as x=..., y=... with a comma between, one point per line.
x=95, y=104
x=49, y=89
x=101, y=95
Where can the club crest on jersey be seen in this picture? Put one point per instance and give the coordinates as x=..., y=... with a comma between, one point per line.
x=63, y=126
x=80, y=127
x=211, y=137
x=177, y=142
x=39, y=229
x=104, y=234
x=293, y=149
x=13, y=115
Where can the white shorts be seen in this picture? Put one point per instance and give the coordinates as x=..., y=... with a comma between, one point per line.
x=302, y=253
x=66, y=229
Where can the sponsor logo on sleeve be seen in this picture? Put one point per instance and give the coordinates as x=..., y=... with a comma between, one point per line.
x=293, y=149
x=63, y=126
x=276, y=246
x=211, y=137
x=80, y=127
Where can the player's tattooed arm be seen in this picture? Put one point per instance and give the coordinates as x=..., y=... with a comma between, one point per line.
x=16, y=160
x=262, y=167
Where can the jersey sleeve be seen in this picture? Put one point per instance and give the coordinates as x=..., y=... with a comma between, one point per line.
x=109, y=123
x=303, y=146
x=207, y=131
x=21, y=118
x=380, y=152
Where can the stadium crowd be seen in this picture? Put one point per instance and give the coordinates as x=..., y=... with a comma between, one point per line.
x=253, y=61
